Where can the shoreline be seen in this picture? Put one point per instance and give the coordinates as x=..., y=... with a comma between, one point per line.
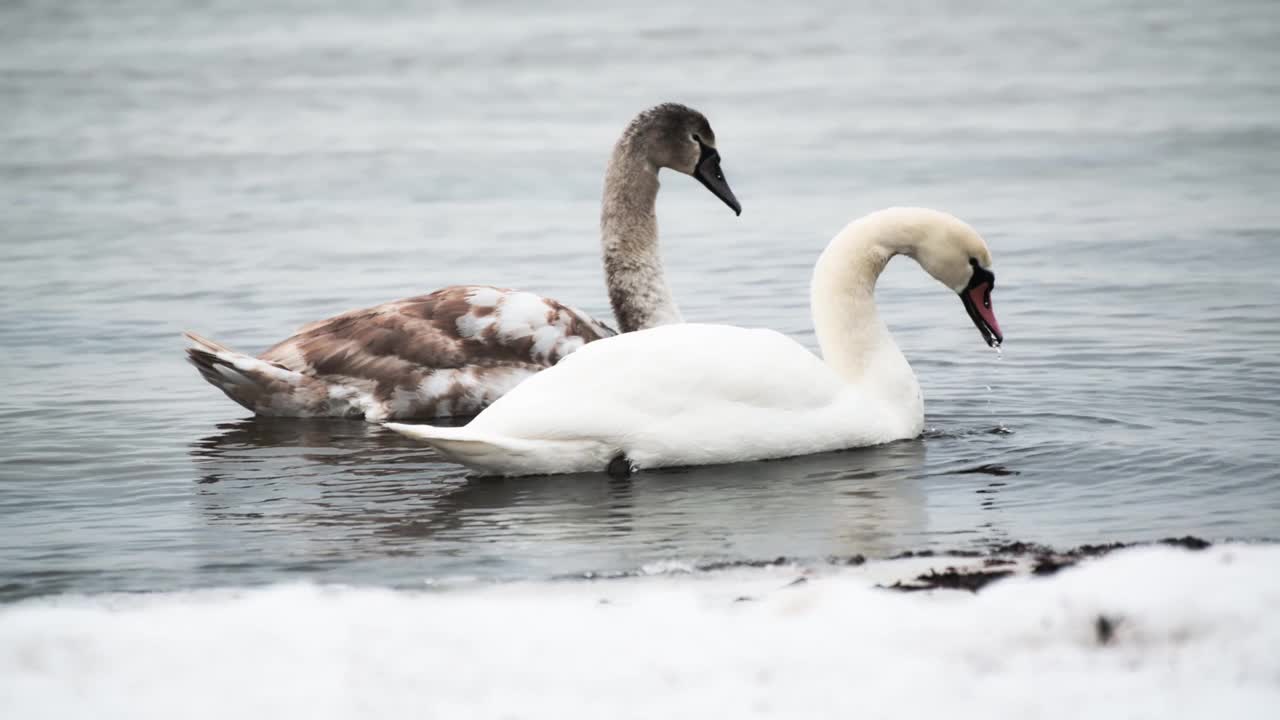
x=1153, y=631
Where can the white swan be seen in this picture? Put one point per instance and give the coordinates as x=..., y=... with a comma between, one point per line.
x=454, y=351
x=701, y=394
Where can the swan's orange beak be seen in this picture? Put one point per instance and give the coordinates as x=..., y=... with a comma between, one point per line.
x=977, y=301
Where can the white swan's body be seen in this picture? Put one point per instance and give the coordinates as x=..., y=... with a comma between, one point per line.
x=703, y=394
x=688, y=394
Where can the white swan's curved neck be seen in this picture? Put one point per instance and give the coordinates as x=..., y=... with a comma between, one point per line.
x=637, y=285
x=855, y=341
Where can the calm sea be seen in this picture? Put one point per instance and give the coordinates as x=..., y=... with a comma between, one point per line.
x=239, y=169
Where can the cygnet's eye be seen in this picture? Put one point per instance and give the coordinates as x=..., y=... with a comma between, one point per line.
x=696, y=138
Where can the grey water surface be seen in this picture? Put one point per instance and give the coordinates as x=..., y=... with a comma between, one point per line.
x=240, y=168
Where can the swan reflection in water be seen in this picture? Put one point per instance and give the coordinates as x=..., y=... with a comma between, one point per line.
x=324, y=494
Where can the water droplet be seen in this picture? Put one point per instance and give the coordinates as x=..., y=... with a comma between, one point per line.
x=990, y=409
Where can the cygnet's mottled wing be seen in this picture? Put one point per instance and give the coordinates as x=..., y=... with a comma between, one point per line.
x=452, y=352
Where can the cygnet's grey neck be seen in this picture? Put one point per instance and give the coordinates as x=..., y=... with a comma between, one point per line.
x=638, y=288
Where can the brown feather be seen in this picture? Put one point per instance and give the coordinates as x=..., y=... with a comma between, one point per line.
x=451, y=352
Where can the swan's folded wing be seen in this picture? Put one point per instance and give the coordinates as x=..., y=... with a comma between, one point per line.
x=451, y=352
x=702, y=374
x=450, y=328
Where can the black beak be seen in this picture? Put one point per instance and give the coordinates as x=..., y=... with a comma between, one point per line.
x=709, y=174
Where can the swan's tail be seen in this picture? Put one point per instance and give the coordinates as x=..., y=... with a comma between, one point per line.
x=504, y=455
x=261, y=386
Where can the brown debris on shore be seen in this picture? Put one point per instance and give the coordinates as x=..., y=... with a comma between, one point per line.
x=952, y=579
x=1000, y=558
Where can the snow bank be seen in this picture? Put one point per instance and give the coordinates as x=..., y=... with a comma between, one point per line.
x=1184, y=634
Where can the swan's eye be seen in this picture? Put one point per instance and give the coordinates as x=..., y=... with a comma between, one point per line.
x=696, y=138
